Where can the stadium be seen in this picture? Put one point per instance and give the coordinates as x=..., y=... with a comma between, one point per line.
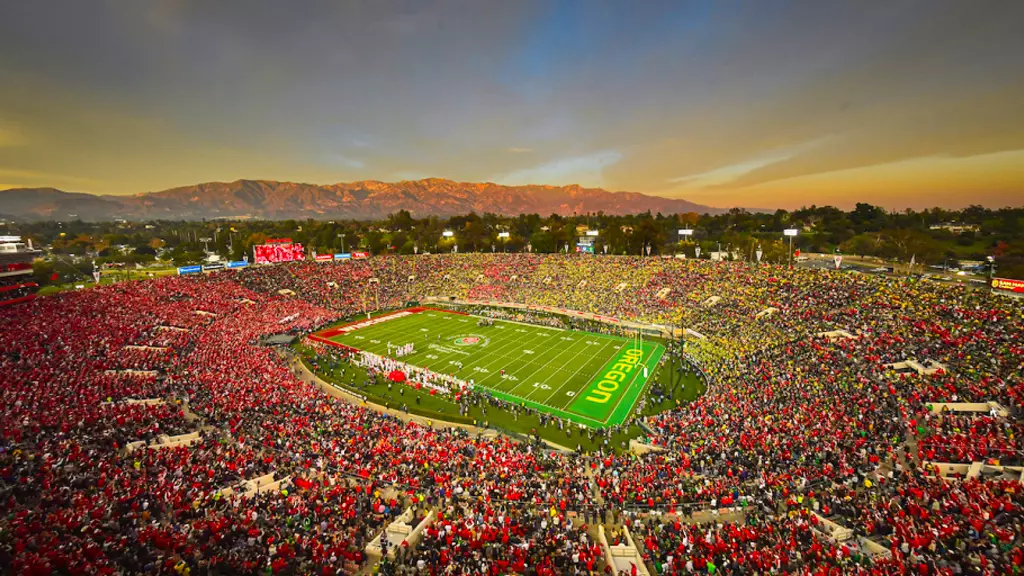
x=529, y=288
x=513, y=413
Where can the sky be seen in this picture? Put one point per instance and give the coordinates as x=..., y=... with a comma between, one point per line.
x=763, y=103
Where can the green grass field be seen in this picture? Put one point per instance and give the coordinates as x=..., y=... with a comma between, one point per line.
x=591, y=379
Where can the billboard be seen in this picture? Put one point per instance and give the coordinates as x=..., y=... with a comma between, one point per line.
x=189, y=270
x=1008, y=284
x=209, y=267
x=278, y=252
x=324, y=257
x=360, y=255
x=342, y=256
x=238, y=264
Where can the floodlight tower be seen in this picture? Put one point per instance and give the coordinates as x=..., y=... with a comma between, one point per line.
x=688, y=233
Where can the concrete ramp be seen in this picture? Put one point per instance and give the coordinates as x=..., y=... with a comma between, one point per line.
x=623, y=557
x=927, y=368
x=767, y=312
x=641, y=448
x=874, y=549
x=970, y=408
x=835, y=335
x=401, y=530
x=832, y=530
x=946, y=469
x=711, y=301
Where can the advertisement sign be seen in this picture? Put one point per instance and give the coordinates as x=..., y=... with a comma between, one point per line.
x=209, y=267
x=238, y=264
x=324, y=257
x=189, y=270
x=1008, y=284
x=584, y=248
x=283, y=252
x=342, y=256
x=360, y=255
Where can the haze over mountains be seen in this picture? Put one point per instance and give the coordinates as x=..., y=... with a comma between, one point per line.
x=356, y=200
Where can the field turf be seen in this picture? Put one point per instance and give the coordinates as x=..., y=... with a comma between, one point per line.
x=592, y=379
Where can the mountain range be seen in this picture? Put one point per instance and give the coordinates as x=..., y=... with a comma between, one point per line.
x=367, y=199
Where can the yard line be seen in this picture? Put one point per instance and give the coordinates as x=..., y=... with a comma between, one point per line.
x=519, y=360
x=484, y=353
x=553, y=394
x=552, y=359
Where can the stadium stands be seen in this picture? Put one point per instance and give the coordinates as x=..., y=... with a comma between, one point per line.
x=809, y=454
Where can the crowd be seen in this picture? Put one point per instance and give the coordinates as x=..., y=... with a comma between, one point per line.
x=278, y=477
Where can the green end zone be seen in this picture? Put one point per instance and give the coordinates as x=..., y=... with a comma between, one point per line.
x=591, y=379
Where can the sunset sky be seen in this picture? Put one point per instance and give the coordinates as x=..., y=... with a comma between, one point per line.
x=759, y=104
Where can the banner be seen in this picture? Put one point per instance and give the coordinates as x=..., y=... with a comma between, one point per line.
x=360, y=255
x=238, y=264
x=189, y=270
x=324, y=257
x=1008, y=284
x=342, y=256
x=208, y=267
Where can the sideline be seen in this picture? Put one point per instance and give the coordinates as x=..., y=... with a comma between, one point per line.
x=304, y=374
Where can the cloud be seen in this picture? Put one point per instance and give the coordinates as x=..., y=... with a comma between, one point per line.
x=585, y=170
x=346, y=161
x=32, y=178
x=701, y=100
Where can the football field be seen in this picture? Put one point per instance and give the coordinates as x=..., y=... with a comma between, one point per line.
x=592, y=379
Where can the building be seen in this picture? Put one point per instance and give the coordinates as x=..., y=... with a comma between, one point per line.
x=954, y=228
x=16, y=281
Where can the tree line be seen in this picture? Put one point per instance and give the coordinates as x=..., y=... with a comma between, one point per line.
x=934, y=236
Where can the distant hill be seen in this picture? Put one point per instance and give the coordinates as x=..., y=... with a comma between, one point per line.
x=357, y=200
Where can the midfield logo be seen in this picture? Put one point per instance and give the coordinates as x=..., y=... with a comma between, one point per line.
x=471, y=340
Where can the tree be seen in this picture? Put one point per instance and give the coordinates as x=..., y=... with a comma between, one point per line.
x=542, y=242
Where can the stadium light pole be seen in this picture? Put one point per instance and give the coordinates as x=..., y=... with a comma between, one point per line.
x=341, y=235
x=448, y=234
x=504, y=241
x=687, y=233
x=791, y=232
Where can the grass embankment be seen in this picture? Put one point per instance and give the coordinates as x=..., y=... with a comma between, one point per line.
x=109, y=277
